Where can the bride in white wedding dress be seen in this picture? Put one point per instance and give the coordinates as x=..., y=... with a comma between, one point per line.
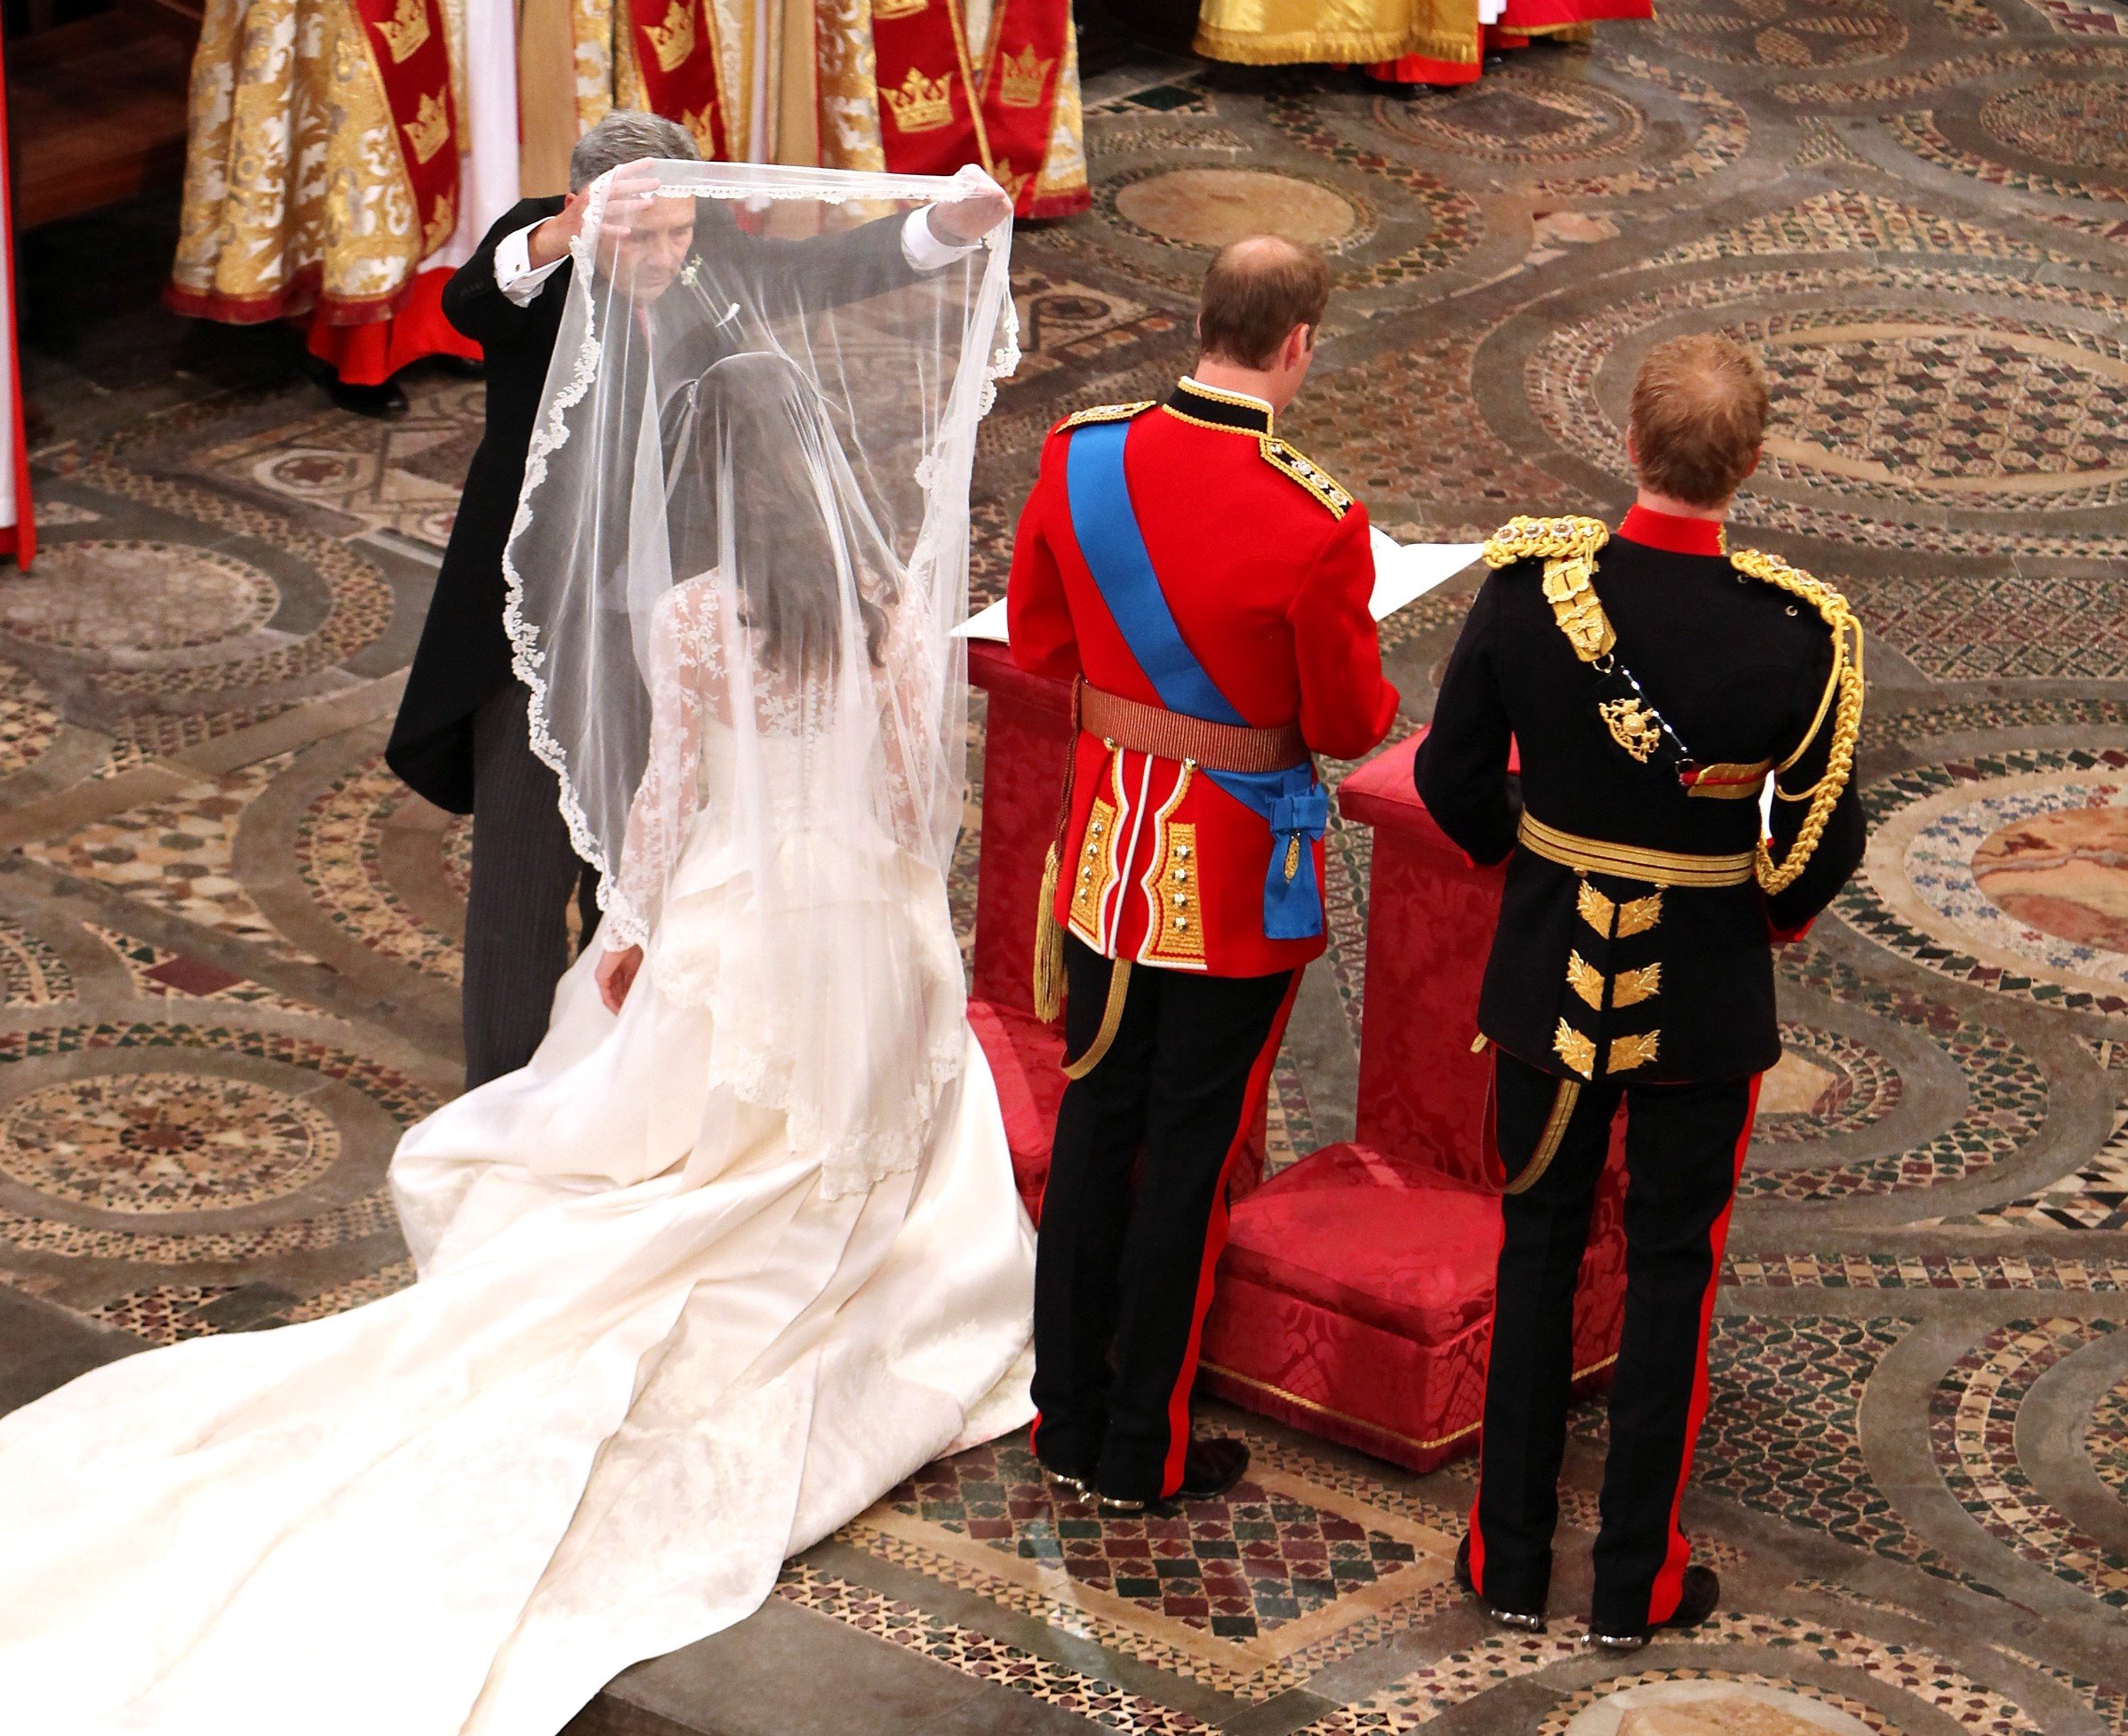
x=714, y=1271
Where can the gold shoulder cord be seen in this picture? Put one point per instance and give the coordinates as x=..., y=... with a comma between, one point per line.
x=1843, y=697
x=1568, y=547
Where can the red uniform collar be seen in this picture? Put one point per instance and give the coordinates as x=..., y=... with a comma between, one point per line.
x=1210, y=407
x=1672, y=533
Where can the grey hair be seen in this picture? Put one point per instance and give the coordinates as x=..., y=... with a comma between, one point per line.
x=628, y=135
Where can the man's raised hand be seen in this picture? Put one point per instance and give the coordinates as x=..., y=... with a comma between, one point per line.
x=633, y=186
x=964, y=223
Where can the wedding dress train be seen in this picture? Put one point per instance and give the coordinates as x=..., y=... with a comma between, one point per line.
x=619, y=1397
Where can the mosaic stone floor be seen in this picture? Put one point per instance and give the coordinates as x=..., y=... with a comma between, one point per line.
x=228, y=940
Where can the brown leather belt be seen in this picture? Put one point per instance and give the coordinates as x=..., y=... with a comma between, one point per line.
x=1149, y=729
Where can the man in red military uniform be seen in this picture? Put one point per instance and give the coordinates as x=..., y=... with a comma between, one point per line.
x=1206, y=587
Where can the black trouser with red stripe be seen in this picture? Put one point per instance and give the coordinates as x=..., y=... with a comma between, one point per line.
x=1684, y=1147
x=1123, y=1270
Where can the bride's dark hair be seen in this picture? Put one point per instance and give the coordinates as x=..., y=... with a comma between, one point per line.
x=757, y=416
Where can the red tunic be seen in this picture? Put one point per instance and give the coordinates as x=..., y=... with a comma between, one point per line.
x=1268, y=580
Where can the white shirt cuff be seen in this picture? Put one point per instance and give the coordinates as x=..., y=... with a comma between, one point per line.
x=923, y=250
x=515, y=276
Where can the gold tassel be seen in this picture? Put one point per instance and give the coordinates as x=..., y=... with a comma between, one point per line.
x=1049, y=933
x=1049, y=948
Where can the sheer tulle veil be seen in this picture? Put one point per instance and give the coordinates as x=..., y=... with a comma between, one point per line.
x=740, y=549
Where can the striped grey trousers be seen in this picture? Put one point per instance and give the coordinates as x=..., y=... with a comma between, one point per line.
x=524, y=873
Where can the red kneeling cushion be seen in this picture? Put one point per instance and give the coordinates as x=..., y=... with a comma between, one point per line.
x=1360, y=1233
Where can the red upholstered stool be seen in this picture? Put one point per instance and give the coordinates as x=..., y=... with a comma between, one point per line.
x=1356, y=1297
x=1025, y=1056
x=1354, y=1302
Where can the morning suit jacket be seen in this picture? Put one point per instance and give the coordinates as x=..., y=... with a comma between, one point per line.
x=1265, y=565
x=1597, y=972
x=464, y=655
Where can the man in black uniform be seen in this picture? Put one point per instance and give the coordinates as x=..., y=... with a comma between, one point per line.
x=1652, y=681
x=462, y=737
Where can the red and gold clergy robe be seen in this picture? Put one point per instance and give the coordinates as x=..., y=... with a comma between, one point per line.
x=343, y=158
x=1266, y=566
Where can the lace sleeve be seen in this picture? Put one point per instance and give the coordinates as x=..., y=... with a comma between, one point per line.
x=908, y=680
x=685, y=675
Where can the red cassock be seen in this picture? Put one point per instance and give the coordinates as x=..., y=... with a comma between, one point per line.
x=1265, y=564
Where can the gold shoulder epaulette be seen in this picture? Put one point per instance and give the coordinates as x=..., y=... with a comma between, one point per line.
x=1568, y=547
x=1103, y=412
x=1283, y=455
x=1526, y=538
x=1842, y=700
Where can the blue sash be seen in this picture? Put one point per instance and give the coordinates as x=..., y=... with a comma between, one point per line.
x=1290, y=802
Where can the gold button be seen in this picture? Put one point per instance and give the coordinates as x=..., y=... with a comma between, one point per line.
x=1181, y=922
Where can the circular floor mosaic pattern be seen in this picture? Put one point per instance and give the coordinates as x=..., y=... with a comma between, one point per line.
x=2106, y=1439
x=1783, y=33
x=1518, y=116
x=2064, y=873
x=2072, y=123
x=1916, y=408
x=158, y=1142
x=2036, y=868
x=1888, y=403
x=116, y=598
x=27, y=722
x=1211, y=207
x=1826, y=1083
x=1691, y=1703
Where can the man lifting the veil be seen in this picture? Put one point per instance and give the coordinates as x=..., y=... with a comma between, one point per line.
x=462, y=737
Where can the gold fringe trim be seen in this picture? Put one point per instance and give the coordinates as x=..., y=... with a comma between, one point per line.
x=1383, y=1429
x=1249, y=49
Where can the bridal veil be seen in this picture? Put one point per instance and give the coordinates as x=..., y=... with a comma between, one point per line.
x=741, y=549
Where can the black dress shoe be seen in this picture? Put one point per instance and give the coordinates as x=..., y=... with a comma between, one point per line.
x=1078, y=1479
x=1209, y=1469
x=1517, y=1619
x=380, y=402
x=1703, y=1590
